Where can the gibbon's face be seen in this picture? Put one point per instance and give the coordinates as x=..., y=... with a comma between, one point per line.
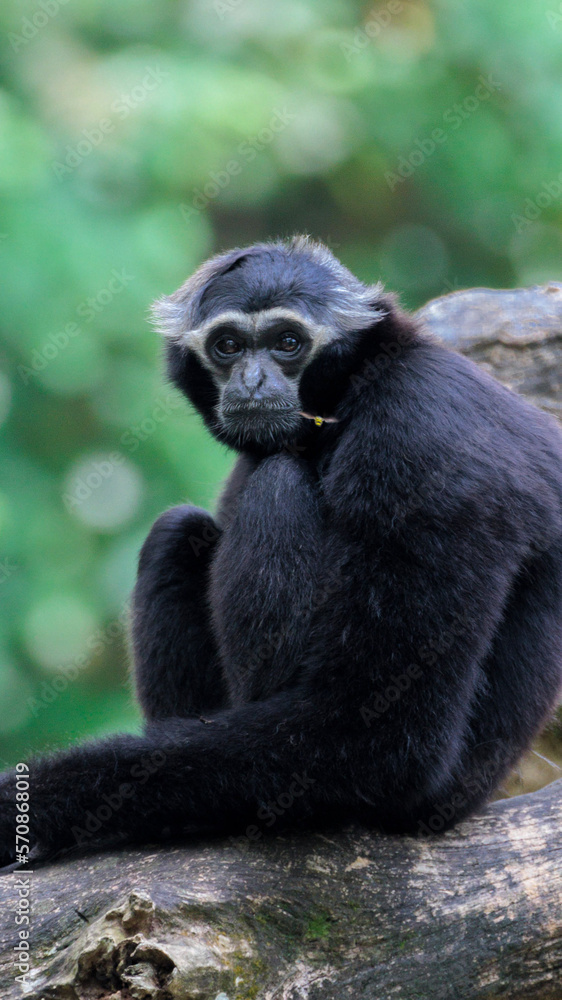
x=256, y=360
x=244, y=329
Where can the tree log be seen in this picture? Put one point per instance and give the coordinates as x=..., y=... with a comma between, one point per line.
x=474, y=914
x=516, y=335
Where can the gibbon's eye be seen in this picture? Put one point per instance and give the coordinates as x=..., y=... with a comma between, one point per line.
x=226, y=347
x=288, y=343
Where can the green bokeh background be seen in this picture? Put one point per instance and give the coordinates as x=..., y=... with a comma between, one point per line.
x=139, y=137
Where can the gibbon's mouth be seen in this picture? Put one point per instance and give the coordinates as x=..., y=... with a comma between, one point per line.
x=257, y=409
x=266, y=426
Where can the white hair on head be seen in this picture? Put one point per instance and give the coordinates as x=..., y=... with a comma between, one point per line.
x=352, y=305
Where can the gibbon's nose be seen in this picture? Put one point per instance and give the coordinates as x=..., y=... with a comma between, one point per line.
x=253, y=378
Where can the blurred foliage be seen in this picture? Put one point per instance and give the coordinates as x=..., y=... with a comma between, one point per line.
x=421, y=141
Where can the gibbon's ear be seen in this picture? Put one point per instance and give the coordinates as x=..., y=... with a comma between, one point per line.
x=357, y=308
x=176, y=314
x=327, y=377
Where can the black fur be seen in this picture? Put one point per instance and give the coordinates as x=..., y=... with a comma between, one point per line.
x=370, y=628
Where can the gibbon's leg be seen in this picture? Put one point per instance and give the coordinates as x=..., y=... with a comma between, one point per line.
x=305, y=746
x=177, y=666
x=522, y=676
x=185, y=775
x=311, y=738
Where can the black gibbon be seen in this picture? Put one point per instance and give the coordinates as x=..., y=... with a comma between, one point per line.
x=371, y=624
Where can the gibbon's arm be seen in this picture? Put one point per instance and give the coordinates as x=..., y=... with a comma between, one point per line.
x=265, y=578
x=183, y=774
x=432, y=543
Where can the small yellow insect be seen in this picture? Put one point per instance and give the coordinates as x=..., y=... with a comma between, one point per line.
x=318, y=421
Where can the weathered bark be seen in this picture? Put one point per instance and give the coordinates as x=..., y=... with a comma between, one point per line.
x=516, y=335
x=473, y=915
x=476, y=913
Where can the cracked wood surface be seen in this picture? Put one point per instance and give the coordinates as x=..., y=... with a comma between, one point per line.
x=516, y=335
x=475, y=914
